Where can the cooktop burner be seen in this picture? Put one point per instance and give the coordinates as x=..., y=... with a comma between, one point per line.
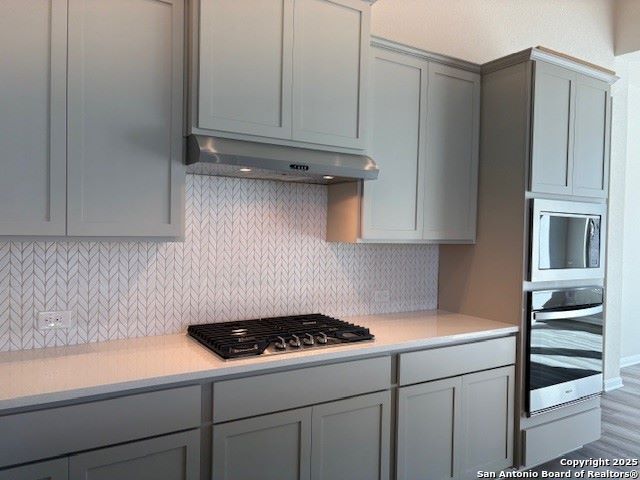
x=276, y=335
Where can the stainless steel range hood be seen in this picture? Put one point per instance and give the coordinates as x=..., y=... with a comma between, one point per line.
x=239, y=158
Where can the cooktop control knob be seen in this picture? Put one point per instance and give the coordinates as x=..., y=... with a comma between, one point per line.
x=308, y=339
x=322, y=338
x=281, y=344
x=295, y=341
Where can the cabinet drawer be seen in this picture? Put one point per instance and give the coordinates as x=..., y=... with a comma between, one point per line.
x=57, y=431
x=246, y=397
x=427, y=365
x=550, y=440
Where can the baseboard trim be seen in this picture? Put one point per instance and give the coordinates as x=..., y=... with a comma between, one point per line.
x=630, y=360
x=613, y=384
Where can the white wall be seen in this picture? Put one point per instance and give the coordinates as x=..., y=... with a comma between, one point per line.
x=627, y=26
x=483, y=30
x=630, y=347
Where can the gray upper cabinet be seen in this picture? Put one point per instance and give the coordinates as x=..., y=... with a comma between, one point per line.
x=393, y=205
x=424, y=126
x=351, y=438
x=280, y=84
x=571, y=132
x=245, y=80
x=125, y=172
x=172, y=457
x=591, y=145
x=33, y=51
x=330, y=63
x=49, y=470
x=453, y=136
x=554, y=97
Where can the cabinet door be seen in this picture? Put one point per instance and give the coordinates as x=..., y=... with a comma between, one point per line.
x=451, y=173
x=393, y=204
x=487, y=421
x=592, y=136
x=50, y=470
x=428, y=430
x=126, y=174
x=172, y=457
x=330, y=57
x=270, y=447
x=350, y=439
x=33, y=62
x=245, y=66
x=553, y=131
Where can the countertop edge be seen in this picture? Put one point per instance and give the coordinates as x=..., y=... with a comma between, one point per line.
x=34, y=401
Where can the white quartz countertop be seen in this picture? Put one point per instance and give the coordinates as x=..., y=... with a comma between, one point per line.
x=35, y=377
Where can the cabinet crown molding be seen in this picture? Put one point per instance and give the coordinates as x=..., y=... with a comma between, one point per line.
x=554, y=57
x=393, y=46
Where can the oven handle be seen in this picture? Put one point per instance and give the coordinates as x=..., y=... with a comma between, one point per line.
x=583, y=312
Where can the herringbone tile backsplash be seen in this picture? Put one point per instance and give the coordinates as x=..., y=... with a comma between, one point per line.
x=252, y=248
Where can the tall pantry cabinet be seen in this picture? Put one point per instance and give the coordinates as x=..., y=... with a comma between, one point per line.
x=91, y=116
x=546, y=127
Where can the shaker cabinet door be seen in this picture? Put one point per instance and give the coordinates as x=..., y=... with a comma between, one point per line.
x=330, y=59
x=451, y=173
x=351, y=439
x=592, y=137
x=49, y=470
x=33, y=62
x=245, y=66
x=553, y=129
x=429, y=430
x=172, y=457
x=393, y=204
x=487, y=421
x=269, y=447
x=125, y=167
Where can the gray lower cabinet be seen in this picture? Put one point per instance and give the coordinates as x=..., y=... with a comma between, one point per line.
x=346, y=439
x=269, y=447
x=428, y=430
x=486, y=441
x=125, y=145
x=451, y=428
x=33, y=62
x=171, y=457
x=49, y=470
x=350, y=439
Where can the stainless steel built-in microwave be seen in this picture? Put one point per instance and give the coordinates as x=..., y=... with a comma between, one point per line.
x=567, y=240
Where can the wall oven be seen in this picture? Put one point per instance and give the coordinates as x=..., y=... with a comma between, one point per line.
x=568, y=240
x=565, y=346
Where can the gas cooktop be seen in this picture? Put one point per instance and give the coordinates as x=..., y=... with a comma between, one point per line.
x=276, y=335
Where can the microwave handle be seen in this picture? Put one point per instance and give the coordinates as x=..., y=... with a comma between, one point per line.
x=583, y=312
x=591, y=226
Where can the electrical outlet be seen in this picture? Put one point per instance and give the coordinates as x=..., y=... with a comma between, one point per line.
x=381, y=296
x=55, y=320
